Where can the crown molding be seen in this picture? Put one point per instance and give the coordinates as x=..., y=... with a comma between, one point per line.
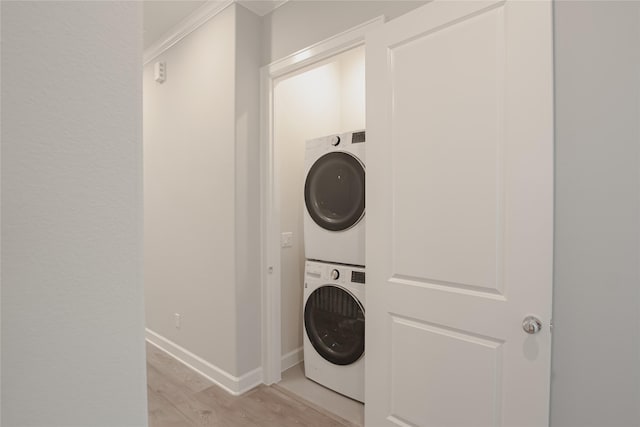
x=185, y=27
x=265, y=8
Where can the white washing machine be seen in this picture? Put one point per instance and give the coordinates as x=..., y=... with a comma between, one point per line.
x=334, y=193
x=334, y=308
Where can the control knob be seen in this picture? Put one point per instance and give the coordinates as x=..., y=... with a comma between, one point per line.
x=335, y=140
x=335, y=274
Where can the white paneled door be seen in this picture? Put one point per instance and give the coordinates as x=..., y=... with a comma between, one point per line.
x=460, y=215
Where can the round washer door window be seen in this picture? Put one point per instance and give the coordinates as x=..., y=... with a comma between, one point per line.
x=334, y=322
x=334, y=191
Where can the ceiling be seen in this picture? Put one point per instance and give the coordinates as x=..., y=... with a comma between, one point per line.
x=160, y=16
x=262, y=7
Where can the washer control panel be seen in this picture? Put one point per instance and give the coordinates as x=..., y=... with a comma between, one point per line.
x=335, y=273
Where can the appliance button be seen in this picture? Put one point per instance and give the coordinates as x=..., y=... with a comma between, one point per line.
x=335, y=140
x=335, y=274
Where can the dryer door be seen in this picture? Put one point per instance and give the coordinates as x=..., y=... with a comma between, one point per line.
x=334, y=191
x=334, y=323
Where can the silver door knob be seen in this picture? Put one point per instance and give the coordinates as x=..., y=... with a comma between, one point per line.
x=531, y=325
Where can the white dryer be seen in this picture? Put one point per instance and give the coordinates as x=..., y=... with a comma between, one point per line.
x=334, y=322
x=334, y=193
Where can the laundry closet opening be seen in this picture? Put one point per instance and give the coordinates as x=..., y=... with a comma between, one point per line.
x=325, y=99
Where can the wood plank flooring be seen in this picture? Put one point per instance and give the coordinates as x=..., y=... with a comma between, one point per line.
x=179, y=397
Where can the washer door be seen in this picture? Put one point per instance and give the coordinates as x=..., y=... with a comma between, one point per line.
x=334, y=191
x=334, y=322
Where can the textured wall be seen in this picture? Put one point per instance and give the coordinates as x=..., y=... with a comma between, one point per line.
x=596, y=313
x=72, y=311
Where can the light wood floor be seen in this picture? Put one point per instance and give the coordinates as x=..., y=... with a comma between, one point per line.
x=179, y=397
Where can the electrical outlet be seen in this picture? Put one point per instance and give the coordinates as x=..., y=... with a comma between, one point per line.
x=286, y=239
x=178, y=320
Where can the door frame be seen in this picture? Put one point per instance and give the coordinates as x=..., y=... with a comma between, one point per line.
x=270, y=279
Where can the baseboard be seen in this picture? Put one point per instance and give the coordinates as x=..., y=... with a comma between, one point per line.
x=291, y=359
x=230, y=383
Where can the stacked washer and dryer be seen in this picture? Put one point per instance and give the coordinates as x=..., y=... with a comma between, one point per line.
x=334, y=281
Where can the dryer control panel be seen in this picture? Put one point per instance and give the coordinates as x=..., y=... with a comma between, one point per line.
x=358, y=137
x=337, y=141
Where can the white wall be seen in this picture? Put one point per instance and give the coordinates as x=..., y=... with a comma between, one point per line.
x=201, y=135
x=299, y=24
x=72, y=310
x=352, y=90
x=320, y=100
x=247, y=160
x=189, y=193
x=596, y=337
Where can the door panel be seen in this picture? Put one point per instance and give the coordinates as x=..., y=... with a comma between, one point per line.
x=460, y=205
x=457, y=149
x=474, y=374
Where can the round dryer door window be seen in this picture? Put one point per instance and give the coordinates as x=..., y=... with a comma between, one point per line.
x=334, y=191
x=334, y=322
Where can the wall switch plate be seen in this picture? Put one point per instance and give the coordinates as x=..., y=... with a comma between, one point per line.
x=286, y=239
